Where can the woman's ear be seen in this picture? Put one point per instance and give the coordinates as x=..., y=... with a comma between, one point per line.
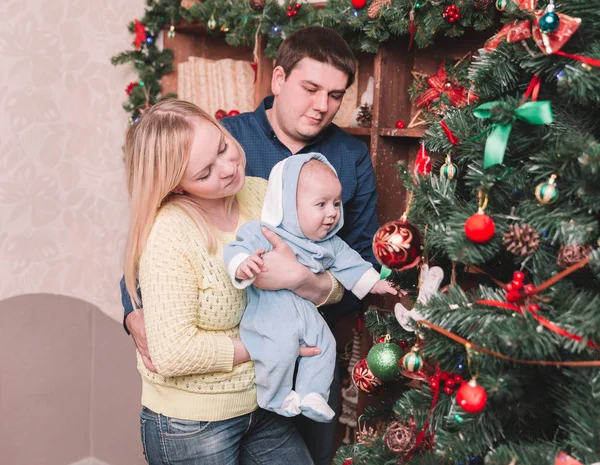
x=178, y=190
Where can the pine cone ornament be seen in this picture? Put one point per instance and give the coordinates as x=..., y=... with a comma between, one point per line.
x=257, y=5
x=365, y=116
x=375, y=7
x=521, y=239
x=482, y=4
x=399, y=438
x=570, y=254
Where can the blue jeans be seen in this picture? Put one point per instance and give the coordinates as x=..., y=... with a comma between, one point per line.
x=257, y=438
x=320, y=437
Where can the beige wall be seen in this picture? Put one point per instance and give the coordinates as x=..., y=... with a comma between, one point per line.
x=63, y=204
x=69, y=391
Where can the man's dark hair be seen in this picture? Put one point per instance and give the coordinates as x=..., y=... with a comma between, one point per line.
x=319, y=43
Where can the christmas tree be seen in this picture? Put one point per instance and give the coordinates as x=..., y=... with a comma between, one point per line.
x=505, y=368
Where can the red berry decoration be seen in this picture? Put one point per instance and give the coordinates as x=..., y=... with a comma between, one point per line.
x=397, y=245
x=471, y=397
x=359, y=3
x=529, y=289
x=519, y=276
x=480, y=227
x=451, y=13
x=233, y=113
x=289, y=14
x=400, y=124
x=220, y=114
x=365, y=380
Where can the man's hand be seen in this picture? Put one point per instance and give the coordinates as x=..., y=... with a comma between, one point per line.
x=283, y=269
x=135, y=325
x=252, y=266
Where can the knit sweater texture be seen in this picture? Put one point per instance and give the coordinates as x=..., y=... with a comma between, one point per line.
x=192, y=310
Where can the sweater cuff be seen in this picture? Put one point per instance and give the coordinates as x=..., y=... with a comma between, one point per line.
x=232, y=268
x=365, y=283
x=335, y=294
x=224, y=354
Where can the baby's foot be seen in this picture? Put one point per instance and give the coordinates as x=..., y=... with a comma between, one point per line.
x=291, y=405
x=315, y=407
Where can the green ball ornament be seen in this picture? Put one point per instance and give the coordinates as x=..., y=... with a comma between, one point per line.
x=501, y=4
x=383, y=360
x=549, y=22
x=412, y=362
x=546, y=192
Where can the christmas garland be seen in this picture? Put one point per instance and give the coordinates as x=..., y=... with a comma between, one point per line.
x=365, y=24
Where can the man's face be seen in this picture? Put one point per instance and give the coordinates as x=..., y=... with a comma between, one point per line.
x=307, y=100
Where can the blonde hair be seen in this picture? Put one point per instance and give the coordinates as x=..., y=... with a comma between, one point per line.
x=157, y=150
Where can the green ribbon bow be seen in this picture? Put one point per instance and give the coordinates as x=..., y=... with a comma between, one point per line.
x=495, y=146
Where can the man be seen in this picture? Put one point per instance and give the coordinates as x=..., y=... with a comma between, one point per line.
x=313, y=69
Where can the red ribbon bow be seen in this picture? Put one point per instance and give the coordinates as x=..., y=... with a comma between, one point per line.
x=520, y=30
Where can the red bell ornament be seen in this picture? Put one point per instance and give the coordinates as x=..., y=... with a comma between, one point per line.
x=471, y=397
x=397, y=245
x=480, y=227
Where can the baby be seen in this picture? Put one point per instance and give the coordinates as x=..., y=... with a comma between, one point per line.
x=303, y=205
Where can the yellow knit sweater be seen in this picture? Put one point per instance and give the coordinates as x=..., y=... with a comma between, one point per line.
x=191, y=312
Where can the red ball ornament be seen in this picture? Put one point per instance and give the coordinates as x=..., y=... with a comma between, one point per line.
x=359, y=3
x=397, y=245
x=518, y=276
x=289, y=7
x=400, y=124
x=518, y=285
x=365, y=380
x=529, y=289
x=233, y=113
x=513, y=296
x=471, y=397
x=458, y=379
x=220, y=114
x=297, y=6
x=480, y=227
x=448, y=390
x=289, y=14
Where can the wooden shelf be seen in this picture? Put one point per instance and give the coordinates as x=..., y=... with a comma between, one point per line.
x=408, y=132
x=358, y=131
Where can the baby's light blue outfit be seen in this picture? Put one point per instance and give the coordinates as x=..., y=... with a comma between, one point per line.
x=276, y=323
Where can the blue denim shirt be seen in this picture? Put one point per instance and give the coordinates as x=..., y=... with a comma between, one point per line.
x=348, y=155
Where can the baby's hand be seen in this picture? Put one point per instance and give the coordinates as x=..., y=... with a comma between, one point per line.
x=385, y=287
x=251, y=267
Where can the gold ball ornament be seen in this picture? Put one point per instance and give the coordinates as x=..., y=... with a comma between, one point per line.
x=546, y=192
x=501, y=4
x=212, y=23
x=448, y=170
x=412, y=361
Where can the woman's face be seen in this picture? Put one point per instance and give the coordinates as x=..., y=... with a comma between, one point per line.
x=215, y=168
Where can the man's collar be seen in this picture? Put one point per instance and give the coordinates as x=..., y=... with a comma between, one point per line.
x=261, y=117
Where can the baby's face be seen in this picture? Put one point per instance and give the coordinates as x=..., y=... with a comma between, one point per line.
x=318, y=201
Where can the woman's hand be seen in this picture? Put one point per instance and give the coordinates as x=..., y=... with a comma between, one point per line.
x=241, y=355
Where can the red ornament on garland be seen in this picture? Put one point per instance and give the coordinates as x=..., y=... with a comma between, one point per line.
x=130, y=87
x=480, y=227
x=451, y=13
x=359, y=3
x=400, y=124
x=140, y=34
x=233, y=113
x=471, y=397
x=397, y=245
x=220, y=114
x=365, y=380
x=422, y=162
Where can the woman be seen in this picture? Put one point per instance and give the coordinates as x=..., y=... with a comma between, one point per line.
x=188, y=195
